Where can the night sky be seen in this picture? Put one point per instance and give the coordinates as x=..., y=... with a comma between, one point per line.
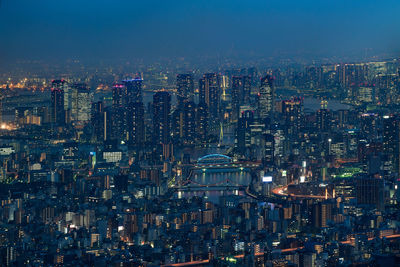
x=107, y=29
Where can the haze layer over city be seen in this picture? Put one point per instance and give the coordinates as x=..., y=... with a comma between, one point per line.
x=199, y=133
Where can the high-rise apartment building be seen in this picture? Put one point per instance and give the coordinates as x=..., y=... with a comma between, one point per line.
x=266, y=99
x=161, y=117
x=210, y=93
x=185, y=88
x=57, y=102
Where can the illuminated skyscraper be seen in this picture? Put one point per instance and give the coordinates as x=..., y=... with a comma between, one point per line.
x=243, y=134
x=237, y=96
x=189, y=118
x=201, y=123
x=370, y=191
x=185, y=87
x=119, y=112
x=210, y=93
x=135, y=123
x=57, y=102
x=247, y=81
x=391, y=140
x=177, y=125
x=269, y=150
x=266, y=99
x=67, y=96
x=97, y=121
x=321, y=214
x=184, y=124
x=81, y=101
x=292, y=110
x=323, y=120
x=161, y=117
x=241, y=87
x=127, y=111
x=133, y=90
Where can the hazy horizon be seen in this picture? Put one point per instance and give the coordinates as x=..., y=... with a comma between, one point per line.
x=112, y=30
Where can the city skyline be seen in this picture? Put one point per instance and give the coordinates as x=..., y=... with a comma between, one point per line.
x=199, y=133
x=118, y=31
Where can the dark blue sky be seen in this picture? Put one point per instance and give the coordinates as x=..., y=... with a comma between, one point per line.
x=105, y=29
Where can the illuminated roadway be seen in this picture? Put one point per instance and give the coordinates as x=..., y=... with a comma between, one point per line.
x=192, y=263
x=282, y=192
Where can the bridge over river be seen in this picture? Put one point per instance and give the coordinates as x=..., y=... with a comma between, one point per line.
x=215, y=175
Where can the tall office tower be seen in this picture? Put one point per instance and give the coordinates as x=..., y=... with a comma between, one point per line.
x=57, y=102
x=322, y=214
x=292, y=111
x=307, y=259
x=352, y=76
x=266, y=98
x=81, y=101
x=97, y=120
x=118, y=112
x=323, y=120
x=368, y=125
x=279, y=143
x=126, y=107
x=253, y=75
x=65, y=87
x=210, y=93
x=241, y=89
x=370, y=191
x=391, y=140
x=177, y=124
x=247, y=82
x=67, y=95
x=237, y=96
x=224, y=84
x=189, y=118
x=243, y=132
x=161, y=117
x=359, y=74
x=135, y=123
x=386, y=88
x=108, y=123
x=269, y=150
x=202, y=123
x=342, y=117
x=133, y=90
x=185, y=87
x=313, y=76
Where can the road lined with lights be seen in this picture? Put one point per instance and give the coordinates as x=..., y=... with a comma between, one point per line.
x=258, y=254
x=282, y=192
